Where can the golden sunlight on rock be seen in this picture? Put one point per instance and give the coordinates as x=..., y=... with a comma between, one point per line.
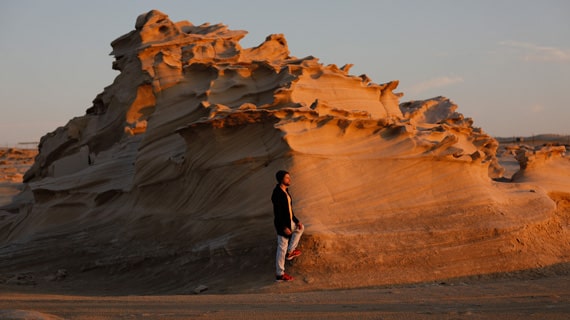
x=165, y=183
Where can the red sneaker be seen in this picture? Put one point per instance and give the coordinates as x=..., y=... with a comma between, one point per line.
x=283, y=277
x=291, y=255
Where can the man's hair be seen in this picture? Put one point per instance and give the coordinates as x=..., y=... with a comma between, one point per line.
x=280, y=175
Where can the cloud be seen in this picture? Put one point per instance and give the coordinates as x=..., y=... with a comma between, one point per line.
x=533, y=52
x=434, y=83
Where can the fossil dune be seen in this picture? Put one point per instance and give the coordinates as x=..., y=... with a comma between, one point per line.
x=165, y=182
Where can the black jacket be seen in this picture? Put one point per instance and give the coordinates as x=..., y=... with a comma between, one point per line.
x=281, y=211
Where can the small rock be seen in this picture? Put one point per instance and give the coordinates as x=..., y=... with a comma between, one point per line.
x=201, y=288
x=21, y=280
x=58, y=276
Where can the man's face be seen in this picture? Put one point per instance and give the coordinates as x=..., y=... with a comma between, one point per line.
x=286, y=180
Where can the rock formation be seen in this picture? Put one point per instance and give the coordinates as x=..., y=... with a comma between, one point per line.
x=13, y=164
x=546, y=165
x=171, y=170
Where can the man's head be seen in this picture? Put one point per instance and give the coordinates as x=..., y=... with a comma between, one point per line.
x=283, y=177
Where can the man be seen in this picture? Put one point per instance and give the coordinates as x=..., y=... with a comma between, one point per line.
x=289, y=228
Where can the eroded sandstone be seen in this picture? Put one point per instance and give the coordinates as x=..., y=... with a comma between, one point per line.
x=172, y=167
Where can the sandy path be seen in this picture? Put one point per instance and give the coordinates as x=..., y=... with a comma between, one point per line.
x=545, y=298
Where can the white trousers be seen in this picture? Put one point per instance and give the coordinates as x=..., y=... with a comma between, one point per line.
x=285, y=245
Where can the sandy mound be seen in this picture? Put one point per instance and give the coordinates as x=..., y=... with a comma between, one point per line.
x=164, y=183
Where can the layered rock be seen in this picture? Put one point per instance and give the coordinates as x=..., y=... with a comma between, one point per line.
x=13, y=164
x=174, y=162
x=531, y=158
x=546, y=165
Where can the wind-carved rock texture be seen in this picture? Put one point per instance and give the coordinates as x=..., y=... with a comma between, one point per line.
x=547, y=164
x=532, y=158
x=172, y=168
x=13, y=164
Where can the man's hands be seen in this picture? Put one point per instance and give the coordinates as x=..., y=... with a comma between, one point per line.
x=288, y=231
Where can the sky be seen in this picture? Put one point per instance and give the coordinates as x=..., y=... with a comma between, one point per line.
x=505, y=63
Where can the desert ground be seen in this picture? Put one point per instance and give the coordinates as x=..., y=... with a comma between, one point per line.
x=529, y=297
